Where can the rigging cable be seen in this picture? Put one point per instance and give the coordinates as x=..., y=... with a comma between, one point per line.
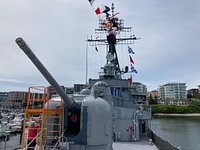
x=86, y=63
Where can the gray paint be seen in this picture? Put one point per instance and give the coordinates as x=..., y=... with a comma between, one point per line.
x=124, y=117
x=81, y=137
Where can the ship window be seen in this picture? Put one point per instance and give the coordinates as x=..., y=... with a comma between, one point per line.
x=115, y=91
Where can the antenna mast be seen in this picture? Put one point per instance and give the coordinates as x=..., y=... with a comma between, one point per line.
x=112, y=27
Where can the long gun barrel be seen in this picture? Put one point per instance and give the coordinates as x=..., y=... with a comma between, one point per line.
x=22, y=44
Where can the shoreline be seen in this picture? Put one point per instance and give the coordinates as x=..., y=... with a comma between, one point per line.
x=184, y=115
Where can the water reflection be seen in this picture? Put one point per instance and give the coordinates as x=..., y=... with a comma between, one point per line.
x=179, y=131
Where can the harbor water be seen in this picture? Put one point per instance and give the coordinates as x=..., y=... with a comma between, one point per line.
x=12, y=142
x=183, y=132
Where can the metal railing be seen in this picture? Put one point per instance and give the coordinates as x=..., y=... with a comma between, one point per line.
x=59, y=140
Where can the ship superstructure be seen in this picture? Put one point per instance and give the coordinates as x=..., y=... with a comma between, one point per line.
x=127, y=113
x=112, y=73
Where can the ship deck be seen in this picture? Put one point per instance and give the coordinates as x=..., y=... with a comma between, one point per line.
x=141, y=145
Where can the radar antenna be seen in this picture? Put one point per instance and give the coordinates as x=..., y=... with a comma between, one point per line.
x=112, y=27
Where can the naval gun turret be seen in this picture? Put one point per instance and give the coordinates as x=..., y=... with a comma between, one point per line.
x=92, y=129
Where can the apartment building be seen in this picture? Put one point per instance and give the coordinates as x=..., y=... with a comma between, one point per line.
x=154, y=93
x=139, y=92
x=67, y=90
x=173, y=91
x=3, y=99
x=16, y=99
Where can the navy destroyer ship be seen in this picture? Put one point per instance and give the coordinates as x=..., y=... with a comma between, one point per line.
x=103, y=116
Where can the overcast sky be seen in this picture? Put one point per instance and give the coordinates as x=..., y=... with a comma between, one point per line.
x=56, y=30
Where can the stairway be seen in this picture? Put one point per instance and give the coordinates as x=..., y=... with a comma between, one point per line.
x=44, y=117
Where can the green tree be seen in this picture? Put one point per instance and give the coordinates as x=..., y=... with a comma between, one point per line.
x=155, y=99
x=189, y=96
x=151, y=100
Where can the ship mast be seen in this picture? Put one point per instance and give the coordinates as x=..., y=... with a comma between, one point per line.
x=113, y=26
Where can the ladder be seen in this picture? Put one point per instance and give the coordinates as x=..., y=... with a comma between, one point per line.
x=42, y=116
x=53, y=123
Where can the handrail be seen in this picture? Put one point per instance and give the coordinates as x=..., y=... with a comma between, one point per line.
x=61, y=135
x=136, y=114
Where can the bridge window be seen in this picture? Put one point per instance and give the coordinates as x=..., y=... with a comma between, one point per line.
x=115, y=91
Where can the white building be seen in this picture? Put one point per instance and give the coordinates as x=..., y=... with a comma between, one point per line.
x=139, y=92
x=173, y=91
